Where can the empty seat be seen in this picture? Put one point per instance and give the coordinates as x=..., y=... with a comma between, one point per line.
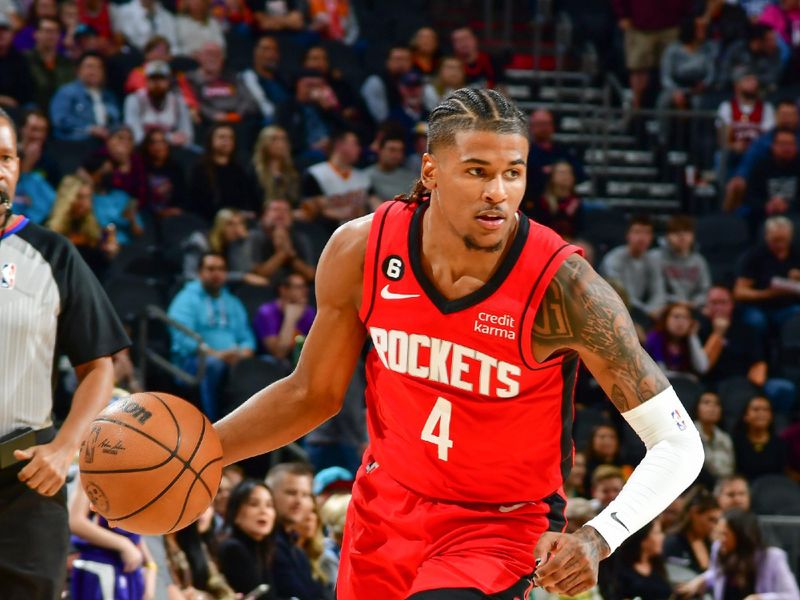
x=585, y=422
x=253, y=296
x=688, y=390
x=605, y=229
x=130, y=294
x=775, y=495
x=734, y=394
x=721, y=239
x=249, y=376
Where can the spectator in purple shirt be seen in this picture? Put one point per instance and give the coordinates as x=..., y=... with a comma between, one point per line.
x=279, y=322
x=743, y=566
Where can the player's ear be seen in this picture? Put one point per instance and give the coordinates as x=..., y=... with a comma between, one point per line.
x=428, y=172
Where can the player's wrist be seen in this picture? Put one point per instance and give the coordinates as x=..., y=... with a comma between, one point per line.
x=598, y=542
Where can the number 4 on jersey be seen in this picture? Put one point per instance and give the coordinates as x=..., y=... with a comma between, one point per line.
x=440, y=415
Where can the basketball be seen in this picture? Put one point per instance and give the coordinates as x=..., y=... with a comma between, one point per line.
x=151, y=463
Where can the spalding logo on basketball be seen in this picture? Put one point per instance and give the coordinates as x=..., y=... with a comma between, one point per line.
x=151, y=463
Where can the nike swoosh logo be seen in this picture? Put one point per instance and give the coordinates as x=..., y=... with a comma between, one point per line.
x=387, y=295
x=513, y=507
x=613, y=515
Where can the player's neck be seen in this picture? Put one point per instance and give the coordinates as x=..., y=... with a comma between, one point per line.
x=449, y=259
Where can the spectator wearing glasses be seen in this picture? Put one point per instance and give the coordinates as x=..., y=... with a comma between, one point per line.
x=280, y=322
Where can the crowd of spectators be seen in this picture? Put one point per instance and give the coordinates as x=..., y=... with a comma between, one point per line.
x=146, y=118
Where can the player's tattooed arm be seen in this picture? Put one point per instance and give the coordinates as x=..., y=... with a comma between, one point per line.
x=581, y=312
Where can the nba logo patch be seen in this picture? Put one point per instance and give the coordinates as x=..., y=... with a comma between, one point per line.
x=676, y=415
x=8, y=276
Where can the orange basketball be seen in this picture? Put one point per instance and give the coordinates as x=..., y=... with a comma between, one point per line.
x=151, y=463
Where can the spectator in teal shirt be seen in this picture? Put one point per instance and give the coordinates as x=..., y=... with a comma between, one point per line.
x=208, y=308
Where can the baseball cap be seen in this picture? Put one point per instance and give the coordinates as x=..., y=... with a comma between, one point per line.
x=411, y=79
x=332, y=479
x=84, y=30
x=742, y=71
x=157, y=68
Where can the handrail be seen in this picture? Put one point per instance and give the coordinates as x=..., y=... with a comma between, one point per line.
x=153, y=312
x=488, y=19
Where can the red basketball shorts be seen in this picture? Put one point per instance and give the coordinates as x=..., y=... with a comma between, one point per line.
x=398, y=543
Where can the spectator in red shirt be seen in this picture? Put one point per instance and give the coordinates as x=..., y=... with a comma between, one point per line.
x=742, y=119
x=94, y=13
x=334, y=20
x=559, y=207
x=478, y=65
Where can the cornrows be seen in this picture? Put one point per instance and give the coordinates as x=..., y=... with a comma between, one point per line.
x=469, y=109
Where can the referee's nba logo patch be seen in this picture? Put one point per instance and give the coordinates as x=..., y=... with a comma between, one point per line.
x=8, y=276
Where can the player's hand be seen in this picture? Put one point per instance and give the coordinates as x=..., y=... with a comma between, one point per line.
x=569, y=562
x=131, y=555
x=47, y=467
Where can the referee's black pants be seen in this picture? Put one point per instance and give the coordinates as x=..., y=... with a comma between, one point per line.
x=34, y=539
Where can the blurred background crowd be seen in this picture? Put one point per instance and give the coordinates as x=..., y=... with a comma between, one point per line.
x=199, y=153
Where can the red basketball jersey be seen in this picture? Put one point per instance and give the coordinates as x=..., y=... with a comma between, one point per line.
x=458, y=408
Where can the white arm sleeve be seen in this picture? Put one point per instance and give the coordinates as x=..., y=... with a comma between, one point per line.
x=673, y=460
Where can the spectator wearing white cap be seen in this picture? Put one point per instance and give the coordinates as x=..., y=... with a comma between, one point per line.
x=158, y=106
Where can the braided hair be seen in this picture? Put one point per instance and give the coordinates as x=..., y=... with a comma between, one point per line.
x=469, y=109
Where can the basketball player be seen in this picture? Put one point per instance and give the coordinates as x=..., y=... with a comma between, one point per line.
x=50, y=304
x=478, y=318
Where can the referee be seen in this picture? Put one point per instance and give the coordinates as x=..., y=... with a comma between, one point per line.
x=50, y=304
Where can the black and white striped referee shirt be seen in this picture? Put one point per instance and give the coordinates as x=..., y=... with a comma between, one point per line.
x=50, y=304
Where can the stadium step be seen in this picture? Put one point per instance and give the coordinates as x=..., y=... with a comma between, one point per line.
x=616, y=171
x=573, y=77
x=587, y=125
x=580, y=93
x=557, y=107
x=641, y=189
x=628, y=157
x=642, y=204
x=586, y=139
